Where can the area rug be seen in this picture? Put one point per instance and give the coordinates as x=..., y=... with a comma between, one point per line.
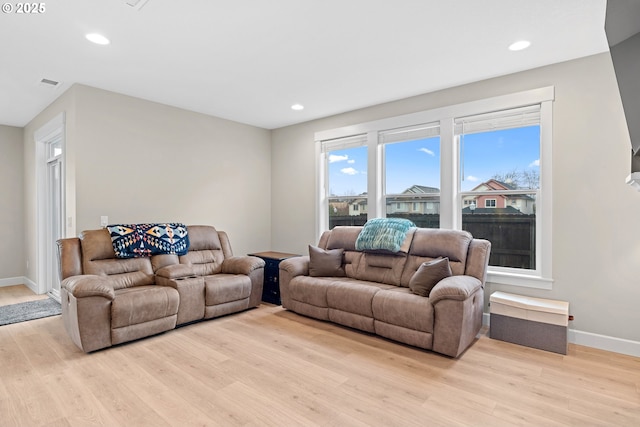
x=31, y=310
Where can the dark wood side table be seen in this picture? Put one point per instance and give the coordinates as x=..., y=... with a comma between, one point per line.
x=271, y=287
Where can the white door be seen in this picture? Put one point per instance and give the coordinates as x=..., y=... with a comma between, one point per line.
x=54, y=216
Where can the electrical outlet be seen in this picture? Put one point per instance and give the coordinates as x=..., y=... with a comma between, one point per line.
x=104, y=221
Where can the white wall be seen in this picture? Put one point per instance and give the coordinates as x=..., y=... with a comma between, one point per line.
x=12, y=263
x=139, y=161
x=596, y=242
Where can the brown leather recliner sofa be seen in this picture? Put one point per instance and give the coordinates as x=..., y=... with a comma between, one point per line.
x=108, y=300
x=372, y=292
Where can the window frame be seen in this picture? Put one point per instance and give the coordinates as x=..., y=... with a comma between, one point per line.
x=451, y=202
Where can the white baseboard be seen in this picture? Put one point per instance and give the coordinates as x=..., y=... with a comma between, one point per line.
x=31, y=285
x=21, y=280
x=11, y=281
x=602, y=342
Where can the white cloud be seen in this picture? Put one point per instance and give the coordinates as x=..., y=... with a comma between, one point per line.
x=535, y=163
x=351, y=161
x=426, y=150
x=334, y=158
x=472, y=178
x=349, y=171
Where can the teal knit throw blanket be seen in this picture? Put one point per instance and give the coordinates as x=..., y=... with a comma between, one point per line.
x=386, y=234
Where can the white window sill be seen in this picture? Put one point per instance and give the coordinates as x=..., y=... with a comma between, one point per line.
x=522, y=280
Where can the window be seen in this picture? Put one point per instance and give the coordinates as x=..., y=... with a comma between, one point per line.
x=412, y=172
x=54, y=148
x=500, y=170
x=482, y=166
x=346, y=180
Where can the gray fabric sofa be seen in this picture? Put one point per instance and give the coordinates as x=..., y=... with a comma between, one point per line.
x=372, y=291
x=108, y=300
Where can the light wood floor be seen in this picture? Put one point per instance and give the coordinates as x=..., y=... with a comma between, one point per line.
x=17, y=294
x=271, y=367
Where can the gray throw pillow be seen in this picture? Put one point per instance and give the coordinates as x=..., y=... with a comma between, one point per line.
x=428, y=275
x=326, y=263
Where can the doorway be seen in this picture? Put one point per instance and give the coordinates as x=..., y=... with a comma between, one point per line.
x=50, y=142
x=55, y=215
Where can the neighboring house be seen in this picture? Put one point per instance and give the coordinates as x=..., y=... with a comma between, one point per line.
x=353, y=206
x=358, y=206
x=417, y=199
x=338, y=208
x=517, y=203
x=423, y=200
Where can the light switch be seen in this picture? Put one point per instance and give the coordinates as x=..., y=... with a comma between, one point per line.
x=104, y=221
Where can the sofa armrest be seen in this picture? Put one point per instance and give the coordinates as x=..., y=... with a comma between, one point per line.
x=291, y=268
x=88, y=285
x=175, y=271
x=241, y=264
x=457, y=288
x=296, y=266
x=457, y=305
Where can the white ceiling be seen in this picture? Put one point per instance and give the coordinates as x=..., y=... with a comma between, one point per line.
x=250, y=60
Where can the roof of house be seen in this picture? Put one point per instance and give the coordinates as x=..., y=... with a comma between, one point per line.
x=420, y=189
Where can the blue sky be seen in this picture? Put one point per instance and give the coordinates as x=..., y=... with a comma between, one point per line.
x=418, y=162
x=499, y=152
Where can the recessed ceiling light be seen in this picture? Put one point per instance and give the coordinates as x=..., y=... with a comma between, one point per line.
x=297, y=107
x=97, y=38
x=136, y=4
x=520, y=45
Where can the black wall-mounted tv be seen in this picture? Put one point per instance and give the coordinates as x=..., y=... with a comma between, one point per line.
x=622, y=26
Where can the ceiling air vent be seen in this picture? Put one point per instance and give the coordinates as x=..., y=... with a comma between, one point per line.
x=136, y=4
x=49, y=83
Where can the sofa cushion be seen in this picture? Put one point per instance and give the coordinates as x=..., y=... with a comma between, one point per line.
x=223, y=288
x=353, y=296
x=310, y=290
x=325, y=262
x=429, y=244
x=129, y=279
x=99, y=258
x=434, y=243
x=205, y=251
x=343, y=237
x=428, y=275
x=204, y=262
x=400, y=307
x=96, y=245
x=141, y=304
x=376, y=267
